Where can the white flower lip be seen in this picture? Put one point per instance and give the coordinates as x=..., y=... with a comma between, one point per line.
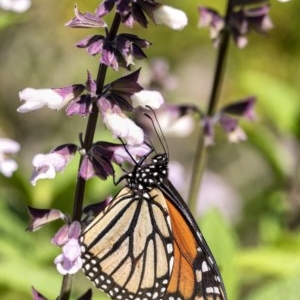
x=47, y=165
x=144, y=98
x=69, y=261
x=18, y=6
x=170, y=16
x=38, y=98
x=7, y=165
x=123, y=127
x=9, y=146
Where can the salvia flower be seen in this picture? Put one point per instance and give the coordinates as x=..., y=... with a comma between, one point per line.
x=55, y=98
x=86, y=20
x=98, y=161
x=227, y=119
x=211, y=18
x=18, y=6
x=139, y=10
x=136, y=152
x=120, y=91
x=87, y=170
x=65, y=233
x=120, y=125
x=159, y=75
x=127, y=93
x=40, y=217
x=7, y=165
x=83, y=105
x=145, y=98
x=243, y=108
x=208, y=130
x=120, y=52
x=69, y=261
x=174, y=18
x=129, y=10
x=46, y=165
x=241, y=22
x=247, y=19
x=175, y=120
x=178, y=120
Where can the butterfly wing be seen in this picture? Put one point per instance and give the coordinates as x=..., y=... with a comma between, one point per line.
x=195, y=274
x=128, y=248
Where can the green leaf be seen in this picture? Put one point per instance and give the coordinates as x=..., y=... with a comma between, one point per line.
x=270, y=261
x=278, y=99
x=278, y=290
x=270, y=148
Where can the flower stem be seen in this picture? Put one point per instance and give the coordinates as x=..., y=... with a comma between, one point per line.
x=87, y=143
x=200, y=156
x=67, y=282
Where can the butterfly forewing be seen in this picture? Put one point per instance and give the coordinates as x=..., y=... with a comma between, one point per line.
x=128, y=248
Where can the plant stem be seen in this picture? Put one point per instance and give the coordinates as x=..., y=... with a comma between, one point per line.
x=87, y=143
x=67, y=282
x=200, y=156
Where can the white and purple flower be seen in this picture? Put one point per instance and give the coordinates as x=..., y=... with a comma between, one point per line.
x=18, y=6
x=47, y=165
x=8, y=165
x=69, y=261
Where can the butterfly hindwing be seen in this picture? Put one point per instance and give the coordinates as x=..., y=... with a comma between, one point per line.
x=195, y=274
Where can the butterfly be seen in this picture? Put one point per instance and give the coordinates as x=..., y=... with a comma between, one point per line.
x=145, y=244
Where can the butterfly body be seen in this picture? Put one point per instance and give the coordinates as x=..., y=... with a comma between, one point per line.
x=146, y=244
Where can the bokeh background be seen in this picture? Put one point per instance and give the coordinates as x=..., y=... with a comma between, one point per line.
x=249, y=204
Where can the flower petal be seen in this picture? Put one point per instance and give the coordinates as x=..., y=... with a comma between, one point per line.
x=38, y=98
x=124, y=128
x=86, y=169
x=86, y=20
x=172, y=17
x=121, y=153
x=18, y=6
x=9, y=146
x=69, y=262
x=46, y=165
x=7, y=166
x=40, y=217
x=145, y=98
x=66, y=233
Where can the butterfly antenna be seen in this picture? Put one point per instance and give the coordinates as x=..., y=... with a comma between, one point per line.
x=161, y=137
x=127, y=151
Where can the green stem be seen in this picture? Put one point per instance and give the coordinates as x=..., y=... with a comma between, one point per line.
x=87, y=143
x=200, y=156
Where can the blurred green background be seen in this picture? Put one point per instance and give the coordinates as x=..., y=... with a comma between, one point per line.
x=252, y=226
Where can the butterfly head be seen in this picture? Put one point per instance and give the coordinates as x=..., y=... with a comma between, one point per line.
x=147, y=176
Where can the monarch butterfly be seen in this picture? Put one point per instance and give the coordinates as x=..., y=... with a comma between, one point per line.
x=146, y=244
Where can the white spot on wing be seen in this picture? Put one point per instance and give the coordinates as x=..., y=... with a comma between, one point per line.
x=204, y=266
x=198, y=275
x=170, y=248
